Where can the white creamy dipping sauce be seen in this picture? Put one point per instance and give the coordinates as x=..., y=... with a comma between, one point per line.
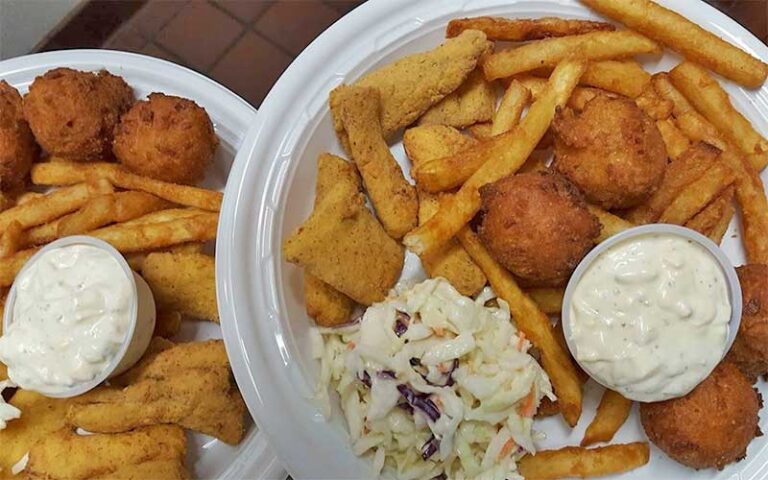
x=649, y=317
x=71, y=314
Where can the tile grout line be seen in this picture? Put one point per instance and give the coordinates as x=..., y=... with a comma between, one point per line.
x=252, y=28
x=226, y=51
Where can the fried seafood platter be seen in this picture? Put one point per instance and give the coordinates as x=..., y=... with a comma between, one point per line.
x=566, y=204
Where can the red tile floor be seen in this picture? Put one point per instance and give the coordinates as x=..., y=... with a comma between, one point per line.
x=247, y=44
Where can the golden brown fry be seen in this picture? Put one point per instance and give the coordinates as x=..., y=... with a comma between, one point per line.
x=472, y=102
x=425, y=143
x=515, y=99
x=450, y=261
x=136, y=259
x=480, y=131
x=683, y=170
x=495, y=158
x=579, y=97
x=53, y=205
x=548, y=53
x=685, y=37
x=412, y=84
x=11, y=240
x=26, y=197
x=709, y=98
x=584, y=462
x=100, y=211
x=610, y=224
x=151, y=452
x=653, y=104
x=610, y=416
x=750, y=195
x=711, y=216
x=664, y=88
x=718, y=231
x=167, y=323
x=11, y=266
x=525, y=29
x=624, y=77
x=66, y=173
x=393, y=198
x=183, y=282
x=535, y=324
x=549, y=300
x=675, y=141
x=164, y=216
x=137, y=238
x=696, y=195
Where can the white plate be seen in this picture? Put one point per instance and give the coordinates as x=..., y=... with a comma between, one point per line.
x=270, y=192
x=231, y=116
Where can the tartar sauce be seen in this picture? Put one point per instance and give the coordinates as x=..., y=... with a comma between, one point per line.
x=649, y=317
x=70, y=317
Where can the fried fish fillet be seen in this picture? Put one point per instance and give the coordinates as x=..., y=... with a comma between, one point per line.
x=185, y=282
x=150, y=452
x=188, y=384
x=474, y=101
x=411, y=85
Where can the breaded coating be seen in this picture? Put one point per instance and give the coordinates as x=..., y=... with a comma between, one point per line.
x=73, y=114
x=474, y=101
x=393, y=198
x=612, y=151
x=450, y=261
x=750, y=349
x=345, y=246
x=711, y=426
x=17, y=145
x=167, y=323
x=185, y=282
x=151, y=452
x=326, y=305
x=167, y=138
x=537, y=225
x=186, y=384
x=412, y=84
x=430, y=142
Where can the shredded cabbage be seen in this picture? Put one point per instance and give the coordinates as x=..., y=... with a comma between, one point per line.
x=434, y=384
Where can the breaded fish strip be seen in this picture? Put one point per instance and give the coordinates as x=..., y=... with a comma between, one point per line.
x=185, y=282
x=328, y=306
x=150, y=452
x=345, y=246
x=411, y=85
x=185, y=385
x=393, y=198
x=474, y=101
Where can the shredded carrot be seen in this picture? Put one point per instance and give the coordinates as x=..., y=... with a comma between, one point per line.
x=438, y=331
x=520, y=341
x=437, y=401
x=351, y=345
x=506, y=449
x=528, y=407
x=442, y=368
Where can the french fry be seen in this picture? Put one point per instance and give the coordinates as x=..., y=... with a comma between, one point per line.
x=685, y=37
x=472, y=102
x=516, y=98
x=709, y=98
x=718, y=231
x=696, y=195
x=11, y=266
x=524, y=29
x=100, y=211
x=137, y=238
x=6, y=201
x=549, y=300
x=611, y=414
x=653, y=104
x=537, y=161
x=710, y=217
x=136, y=259
x=683, y=170
x=166, y=215
x=584, y=462
x=698, y=129
x=481, y=131
x=68, y=173
x=535, y=324
x=675, y=140
x=496, y=158
x=610, y=224
x=548, y=53
x=393, y=198
x=11, y=240
x=27, y=197
x=664, y=88
x=750, y=195
x=579, y=97
x=626, y=77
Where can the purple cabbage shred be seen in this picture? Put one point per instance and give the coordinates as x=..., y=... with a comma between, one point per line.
x=402, y=320
x=430, y=447
x=420, y=401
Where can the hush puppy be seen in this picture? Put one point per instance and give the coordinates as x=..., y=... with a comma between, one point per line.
x=73, y=114
x=611, y=150
x=168, y=138
x=17, y=145
x=711, y=426
x=750, y=349
x=537, y=225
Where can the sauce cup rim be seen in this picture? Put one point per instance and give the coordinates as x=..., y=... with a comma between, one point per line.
x=83, y=387
x=732, y=279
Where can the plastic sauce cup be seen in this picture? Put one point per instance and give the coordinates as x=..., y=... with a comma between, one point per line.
x=142, y=316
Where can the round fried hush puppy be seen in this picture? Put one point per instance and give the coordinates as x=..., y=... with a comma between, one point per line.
x=711, y=426
x=750, y=349
x=73, y=114
x=167, y=138
x=537, y=226
x=612, y=151
x=17, y=145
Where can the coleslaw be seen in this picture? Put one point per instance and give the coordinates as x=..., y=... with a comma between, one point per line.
x=434, y=384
